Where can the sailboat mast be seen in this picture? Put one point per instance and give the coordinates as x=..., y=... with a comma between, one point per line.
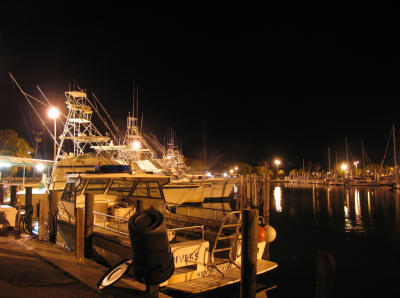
x=362, y=153
x=133, y=99
x=396, y=175
x=329, y=159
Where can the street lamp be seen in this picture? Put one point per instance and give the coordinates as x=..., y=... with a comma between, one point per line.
x=277, y=162
x=53, y=113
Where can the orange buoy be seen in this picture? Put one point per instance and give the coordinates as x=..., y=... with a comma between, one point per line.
x=262, y=234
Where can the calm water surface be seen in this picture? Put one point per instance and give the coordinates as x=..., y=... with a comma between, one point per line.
x=335, y=241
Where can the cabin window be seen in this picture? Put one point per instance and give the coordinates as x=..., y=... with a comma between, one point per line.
x=97, y=186
x=80, y=186
x=140, y=190
x=68, y=193
x=154, y=190
x=120, y=187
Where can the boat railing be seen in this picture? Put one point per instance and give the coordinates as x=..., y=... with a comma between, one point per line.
x=111, y=223
x=120, y=225
x=185, y=229
x=197, y=211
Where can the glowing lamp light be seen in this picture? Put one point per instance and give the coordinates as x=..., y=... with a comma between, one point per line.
x=53, y=113
x=277, y=162
x=231, y=171
x=39, y=167
x=225, y=175
x=344, y=167
x=236, y=168
x=5, y=165
x=136, y=145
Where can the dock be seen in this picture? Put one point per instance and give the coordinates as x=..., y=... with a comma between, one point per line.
x=67, y=277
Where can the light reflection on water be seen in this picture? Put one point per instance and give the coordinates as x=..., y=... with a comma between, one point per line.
x=278, y=198
x=357, y=207
x=356, y=229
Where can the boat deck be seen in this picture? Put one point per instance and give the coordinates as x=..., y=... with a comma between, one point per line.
x=216, y=280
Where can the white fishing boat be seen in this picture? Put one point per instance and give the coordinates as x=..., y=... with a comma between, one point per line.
x=135, y=149
x=206, y=252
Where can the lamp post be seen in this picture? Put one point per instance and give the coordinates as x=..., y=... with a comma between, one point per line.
x=277, y=162
x=53, y=113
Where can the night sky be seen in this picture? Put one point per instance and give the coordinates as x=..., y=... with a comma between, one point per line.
x=266, y=81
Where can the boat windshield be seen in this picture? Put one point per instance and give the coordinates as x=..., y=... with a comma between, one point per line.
x=140, y=190
x=147, y=190
x=68, y=194
x=97, y=185
x=80, y=186
x=120, y=187
x=154, y=190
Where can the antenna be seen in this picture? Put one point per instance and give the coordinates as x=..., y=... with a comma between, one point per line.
x=133, y=99
x=137, y=101
x=204, y=143
x=141, y=123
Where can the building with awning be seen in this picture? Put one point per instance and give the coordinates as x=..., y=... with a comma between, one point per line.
x=40, y=165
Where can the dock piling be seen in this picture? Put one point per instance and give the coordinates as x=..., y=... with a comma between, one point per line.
x=52, y=216
x=28, y=206
x=253, y=183
x=89, y=219
x=249, y=253
x=266, y=207
x=2, y=195
x=13, y=195
x=80, y=234
x=43, y=215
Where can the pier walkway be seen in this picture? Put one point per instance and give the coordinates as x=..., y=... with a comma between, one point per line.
x=29, y=267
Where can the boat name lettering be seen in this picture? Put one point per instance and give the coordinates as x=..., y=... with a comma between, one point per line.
x=194, y=256
x=211, y=271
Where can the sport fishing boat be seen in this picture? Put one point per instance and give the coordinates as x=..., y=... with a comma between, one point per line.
x=135, y=149
x=206, y=249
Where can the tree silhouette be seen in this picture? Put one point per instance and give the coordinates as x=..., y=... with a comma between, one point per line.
x=12, y=144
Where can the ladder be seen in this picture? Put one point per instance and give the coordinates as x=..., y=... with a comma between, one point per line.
x=234, y=237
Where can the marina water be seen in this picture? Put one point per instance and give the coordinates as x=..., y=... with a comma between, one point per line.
x=335, y=241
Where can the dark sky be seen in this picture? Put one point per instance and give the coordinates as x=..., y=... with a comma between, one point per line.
x=267, y=81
